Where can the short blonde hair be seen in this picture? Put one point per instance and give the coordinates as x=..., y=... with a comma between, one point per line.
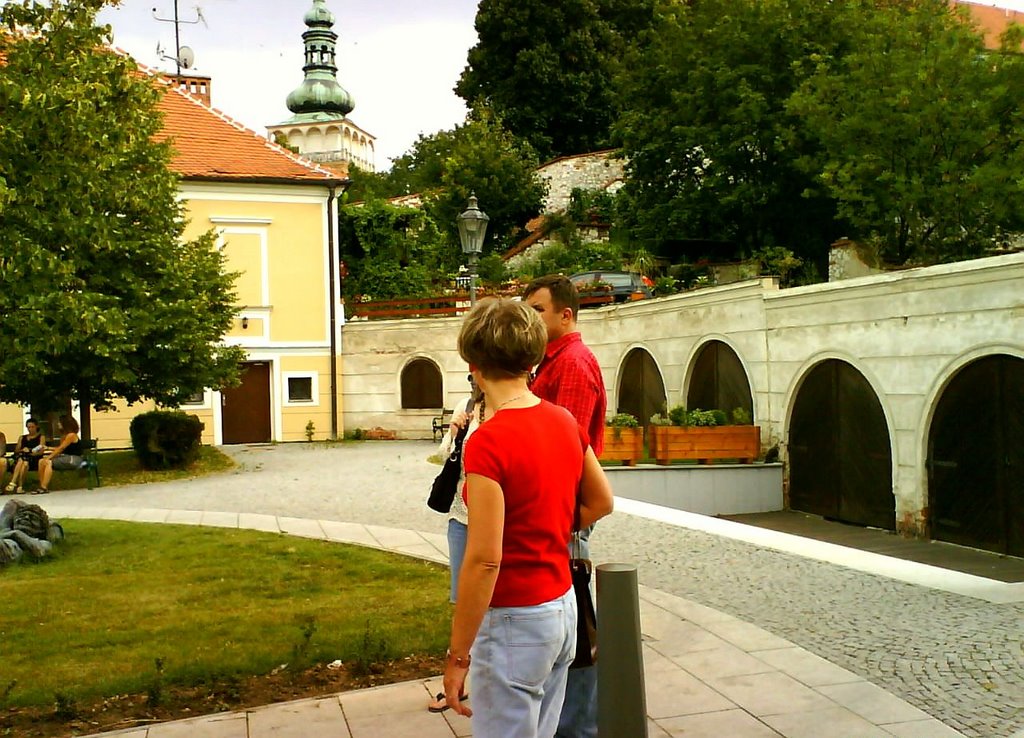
x=502, y=338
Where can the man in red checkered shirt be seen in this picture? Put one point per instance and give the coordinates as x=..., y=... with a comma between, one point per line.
x=570, y=376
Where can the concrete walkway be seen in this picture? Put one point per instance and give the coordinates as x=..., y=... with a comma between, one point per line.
x=707, y=673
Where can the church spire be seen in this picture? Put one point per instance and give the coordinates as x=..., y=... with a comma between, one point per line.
x=320, y=91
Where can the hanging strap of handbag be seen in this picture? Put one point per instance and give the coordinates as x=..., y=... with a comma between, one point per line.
x=586, y=622
x=445, y=485
x=460, y=437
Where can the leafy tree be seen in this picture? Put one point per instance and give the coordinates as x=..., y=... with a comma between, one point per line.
x=389, y=251
x=369, y=185
x=922, y=133
x=481, y=157
x=713, y=153
x=547, y=68
x=100, y=296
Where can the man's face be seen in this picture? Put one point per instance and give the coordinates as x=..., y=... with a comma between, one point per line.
x=558, y=322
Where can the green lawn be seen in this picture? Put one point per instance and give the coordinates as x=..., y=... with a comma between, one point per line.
x=92, y=619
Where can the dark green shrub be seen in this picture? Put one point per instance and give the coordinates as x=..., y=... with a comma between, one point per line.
x=166, y=439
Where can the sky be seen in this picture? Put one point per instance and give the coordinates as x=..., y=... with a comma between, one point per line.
x=400, y=59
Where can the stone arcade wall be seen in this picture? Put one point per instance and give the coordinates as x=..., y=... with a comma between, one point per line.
x=908, y=333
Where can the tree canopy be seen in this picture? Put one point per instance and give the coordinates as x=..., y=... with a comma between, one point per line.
x=713, y=153
x=101, y=297
x=445, y=168
x=547, y=68
x=921, y=131
x=757, y=124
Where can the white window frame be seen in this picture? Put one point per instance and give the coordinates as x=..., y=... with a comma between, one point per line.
x=314, y=388
x=203, y=404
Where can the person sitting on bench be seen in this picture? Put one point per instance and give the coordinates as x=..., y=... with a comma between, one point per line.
x=66, y=456
x=3, y=460
x=27, y=453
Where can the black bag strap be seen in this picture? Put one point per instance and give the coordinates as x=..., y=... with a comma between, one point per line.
x=460, y=437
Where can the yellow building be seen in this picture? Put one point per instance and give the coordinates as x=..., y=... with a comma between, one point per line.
x=273, y=213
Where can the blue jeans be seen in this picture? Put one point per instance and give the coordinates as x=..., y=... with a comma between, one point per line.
x=521, y=656
x=456, y=553
x=579, y=711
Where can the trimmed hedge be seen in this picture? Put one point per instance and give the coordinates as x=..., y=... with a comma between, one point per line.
x=166, y=439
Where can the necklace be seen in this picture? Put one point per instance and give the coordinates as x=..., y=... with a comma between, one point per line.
x=511, y=400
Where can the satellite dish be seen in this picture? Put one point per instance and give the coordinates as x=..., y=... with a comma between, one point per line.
x=186, y=57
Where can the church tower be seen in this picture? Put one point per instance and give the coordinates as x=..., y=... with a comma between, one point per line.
x=319, y=127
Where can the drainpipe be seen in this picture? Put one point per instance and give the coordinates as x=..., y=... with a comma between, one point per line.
x=333, y=302
x=333, y=266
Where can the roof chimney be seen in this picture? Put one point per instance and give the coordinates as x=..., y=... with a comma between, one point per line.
x=194, y=85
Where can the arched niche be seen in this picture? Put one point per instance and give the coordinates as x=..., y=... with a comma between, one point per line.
x=641, y=390
x=718, y=380
x=314, y=140
x=422, y=385
x=976, y=457
x=840, y=453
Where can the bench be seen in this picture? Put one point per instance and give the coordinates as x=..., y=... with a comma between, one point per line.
x=90, y=463
x=440, y=423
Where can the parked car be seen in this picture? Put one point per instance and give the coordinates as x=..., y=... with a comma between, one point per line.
x=601, y=288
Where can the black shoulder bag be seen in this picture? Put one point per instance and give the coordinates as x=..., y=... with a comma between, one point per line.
x=446, y=483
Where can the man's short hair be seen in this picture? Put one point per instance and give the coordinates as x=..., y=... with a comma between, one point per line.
x=502, y=338
x=563, y=292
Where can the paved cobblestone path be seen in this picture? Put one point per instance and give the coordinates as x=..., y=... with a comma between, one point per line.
x=959, y=659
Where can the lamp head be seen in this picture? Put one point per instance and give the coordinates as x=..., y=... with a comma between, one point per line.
x=472, y=228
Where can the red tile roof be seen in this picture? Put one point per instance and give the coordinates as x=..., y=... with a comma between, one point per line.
x=991, y=20
x=211, y=146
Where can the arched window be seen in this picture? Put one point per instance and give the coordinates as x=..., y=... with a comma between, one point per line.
x=422, y=386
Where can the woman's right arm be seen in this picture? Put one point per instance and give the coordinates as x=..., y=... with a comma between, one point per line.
x=596, y=498
x=448, y=442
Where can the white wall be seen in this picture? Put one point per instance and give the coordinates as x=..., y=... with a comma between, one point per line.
x=908, y=333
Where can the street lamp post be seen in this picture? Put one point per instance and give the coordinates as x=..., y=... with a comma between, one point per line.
x=472, y=229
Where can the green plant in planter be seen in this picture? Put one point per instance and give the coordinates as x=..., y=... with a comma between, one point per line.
x=659, y=419
x=708, y=418
x=622, y=420
x=683, y=418
x=740, y=416
x=679, y=416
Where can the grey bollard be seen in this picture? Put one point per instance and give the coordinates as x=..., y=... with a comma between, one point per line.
x=621, y=696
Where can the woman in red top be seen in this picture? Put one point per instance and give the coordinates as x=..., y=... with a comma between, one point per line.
x=515, y=614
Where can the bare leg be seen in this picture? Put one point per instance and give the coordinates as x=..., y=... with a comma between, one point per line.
x=45, y=472
x=18, y=473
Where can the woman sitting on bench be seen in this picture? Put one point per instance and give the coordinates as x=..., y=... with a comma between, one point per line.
x=66, y=456
x=27, y=454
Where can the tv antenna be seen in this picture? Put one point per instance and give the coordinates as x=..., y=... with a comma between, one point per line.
x=183, y=57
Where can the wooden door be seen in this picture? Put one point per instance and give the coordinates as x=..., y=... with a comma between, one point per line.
x=976, y=457
x=840, y=458
x=245, y=409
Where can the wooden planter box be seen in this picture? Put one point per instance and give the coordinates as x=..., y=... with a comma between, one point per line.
x=623, y=444
x=672, y=443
